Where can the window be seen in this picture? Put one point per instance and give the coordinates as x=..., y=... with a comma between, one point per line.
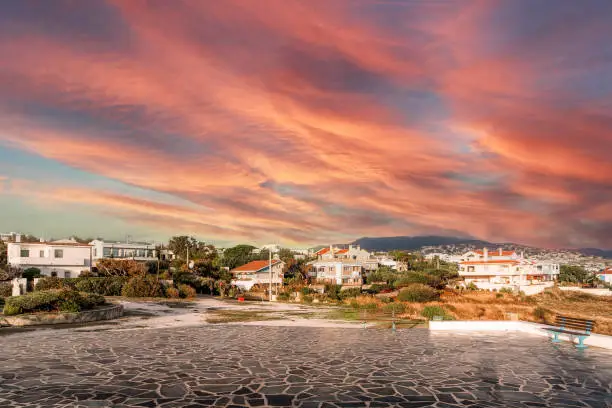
x=41, y=254
x=59, y=253
x=54, y=274
x=67, y=274
x=24, y=253
x=106, y=252
x=95, y=252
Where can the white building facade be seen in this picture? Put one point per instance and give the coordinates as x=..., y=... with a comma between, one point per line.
x=258, y=273
x=123, y=250
x=64, y=259
x=497, y=269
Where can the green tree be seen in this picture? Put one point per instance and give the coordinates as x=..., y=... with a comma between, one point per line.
x=285, y=255
x=572, y=274
x=3, y=255
x=238, y=255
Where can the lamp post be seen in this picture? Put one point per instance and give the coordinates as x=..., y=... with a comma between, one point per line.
x=270, y=269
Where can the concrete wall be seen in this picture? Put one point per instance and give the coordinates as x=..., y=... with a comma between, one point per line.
x=596, y=292
x=597, y=340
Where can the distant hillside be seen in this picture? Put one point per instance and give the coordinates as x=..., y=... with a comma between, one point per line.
x=596, y=252
x=418, y=242
x=413, y=243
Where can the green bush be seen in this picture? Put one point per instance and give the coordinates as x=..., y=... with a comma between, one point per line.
x=417, y=292
x=376, y=288
x=186, y=291
x=172, y=293
x=31, y=273
x=307, y=299
x=143, y=286
x=540, y=313
x=49, y=282
x=506, y=290
x=399, y=308
x=65, y=300
x=350, y=293
x=107, y=286
x=306, y=290
x=283, y=296
x=471, y=286
x=333, y=291
x=6, y=289
x=431, y=311
x=419, y=277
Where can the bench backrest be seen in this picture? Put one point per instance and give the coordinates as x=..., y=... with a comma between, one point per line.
x=574, y=323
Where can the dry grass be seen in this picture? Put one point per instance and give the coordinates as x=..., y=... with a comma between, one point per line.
x=494, y=306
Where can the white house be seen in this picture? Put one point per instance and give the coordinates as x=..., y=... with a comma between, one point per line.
x=138, y=251
x=605, y=275
x=496, y=269
x=258, y=273
x=338, y=271
x=64, y=258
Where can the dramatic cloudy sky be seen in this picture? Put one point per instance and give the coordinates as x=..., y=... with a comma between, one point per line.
x=308, y=121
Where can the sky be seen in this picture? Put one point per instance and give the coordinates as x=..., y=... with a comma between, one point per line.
x=307, y=122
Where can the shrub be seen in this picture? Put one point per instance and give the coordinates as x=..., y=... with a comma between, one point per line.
x=186, y=291
x=506, y=290
x=143, y=286
x=419, y=277
x=418, y=293
x=540, y=313
x=172, y=292
x=120, y=267
x=49, y=282
x=430, y=311
x=306, y=290
x=377, y=288
x=333, y=291
x=499, y=295
x=6, y=289
x=307, y=299
x=471, y=286
x=399, y=308
x=283, y=296
x=65, y=300
x=108, y=286
x=350, y=293
x=31, y=273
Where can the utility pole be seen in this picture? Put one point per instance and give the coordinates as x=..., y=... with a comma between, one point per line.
x=187, y=255
x=270, y=269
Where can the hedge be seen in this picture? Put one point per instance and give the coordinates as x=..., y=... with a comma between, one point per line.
x=6, y=289
x=418, y=292
x=143, y=286
x=65, y=300
x=108, y=286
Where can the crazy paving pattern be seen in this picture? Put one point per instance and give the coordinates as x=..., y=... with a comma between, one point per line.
x=305, y=367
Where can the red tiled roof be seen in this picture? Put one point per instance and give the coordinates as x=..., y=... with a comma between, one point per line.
x=342, y=251
x=491, y=261
x=496, y=252
x=254, y=266
x=606, y=272
x=322, y=251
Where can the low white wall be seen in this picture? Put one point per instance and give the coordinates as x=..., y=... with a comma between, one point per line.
x=597, y=340
x=590, y=291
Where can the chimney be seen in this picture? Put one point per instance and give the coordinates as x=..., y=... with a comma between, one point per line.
x=485, y=251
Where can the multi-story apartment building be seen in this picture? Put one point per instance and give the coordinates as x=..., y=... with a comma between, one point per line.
x=342, y=266
x=64, y=258
x=138, y=251
x=496, y=269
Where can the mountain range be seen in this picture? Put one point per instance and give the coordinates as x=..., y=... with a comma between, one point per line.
x=418, y=242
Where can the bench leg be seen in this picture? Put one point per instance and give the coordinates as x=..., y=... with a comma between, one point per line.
x=581, y=344
x=555, y=338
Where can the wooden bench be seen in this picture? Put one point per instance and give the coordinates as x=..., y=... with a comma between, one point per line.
x=580, y=328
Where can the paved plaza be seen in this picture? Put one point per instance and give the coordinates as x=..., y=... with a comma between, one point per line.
x=223, y=365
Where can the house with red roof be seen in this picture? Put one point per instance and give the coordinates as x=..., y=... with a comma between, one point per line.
x=605, y=275
x=498, y=268
x=258, y=273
